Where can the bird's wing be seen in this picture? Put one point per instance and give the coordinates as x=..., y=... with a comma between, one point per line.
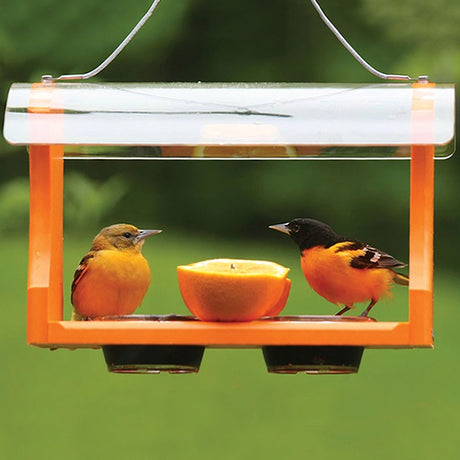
x=365, y=256
x=374, y=258
x=80, y=271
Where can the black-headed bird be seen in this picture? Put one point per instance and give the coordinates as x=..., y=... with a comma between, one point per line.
x=342, y=270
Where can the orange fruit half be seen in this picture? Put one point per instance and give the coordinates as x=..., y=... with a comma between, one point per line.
x=233, y=289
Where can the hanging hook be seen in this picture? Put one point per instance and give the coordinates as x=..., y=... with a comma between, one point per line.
x=143, y=20
x=355, y=54
x=115, y=53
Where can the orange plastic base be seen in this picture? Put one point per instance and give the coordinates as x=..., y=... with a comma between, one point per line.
x=230, y=335
x=45, y=327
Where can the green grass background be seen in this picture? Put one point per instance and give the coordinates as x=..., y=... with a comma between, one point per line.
x=403, y=404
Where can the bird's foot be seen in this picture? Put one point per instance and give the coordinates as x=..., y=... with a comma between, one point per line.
x=344, y=310
x=368, y=309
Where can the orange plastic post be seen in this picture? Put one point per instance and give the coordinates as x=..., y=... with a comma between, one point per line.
x=421, y=247
x=421, y=217
x=45, y=232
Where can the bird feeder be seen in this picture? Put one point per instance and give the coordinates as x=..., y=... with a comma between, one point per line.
x=59, y=121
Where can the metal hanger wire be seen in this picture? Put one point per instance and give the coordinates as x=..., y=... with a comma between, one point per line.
x=355, y=54
x=109, y=59
x=144, y=19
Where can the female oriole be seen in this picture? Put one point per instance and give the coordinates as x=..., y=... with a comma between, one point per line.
x=342, y=270
x=113, y=278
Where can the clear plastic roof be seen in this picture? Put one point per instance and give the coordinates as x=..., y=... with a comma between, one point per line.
x=232, y=120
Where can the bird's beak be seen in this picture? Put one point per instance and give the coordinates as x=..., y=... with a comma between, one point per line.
x=145, y=233
x=281, y=228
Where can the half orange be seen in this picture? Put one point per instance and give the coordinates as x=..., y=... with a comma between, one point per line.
x=234, y=289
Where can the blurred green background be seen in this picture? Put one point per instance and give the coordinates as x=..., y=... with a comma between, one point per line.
x=62, y=404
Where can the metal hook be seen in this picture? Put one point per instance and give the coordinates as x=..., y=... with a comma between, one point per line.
x=115, y=53
x=143, y=20
x=355, y=54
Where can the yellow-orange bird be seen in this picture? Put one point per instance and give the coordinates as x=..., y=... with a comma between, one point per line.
x=113, y=277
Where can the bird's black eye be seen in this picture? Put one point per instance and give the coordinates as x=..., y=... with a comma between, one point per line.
x=127, y=235
x=295, y=228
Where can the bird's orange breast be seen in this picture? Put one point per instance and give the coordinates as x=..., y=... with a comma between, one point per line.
x=114, y=283
x=329, y=274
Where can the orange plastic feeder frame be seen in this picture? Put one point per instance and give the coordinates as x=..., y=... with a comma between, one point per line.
x=45, y=324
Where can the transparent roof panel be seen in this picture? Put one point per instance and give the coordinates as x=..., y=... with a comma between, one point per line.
x=262, y=120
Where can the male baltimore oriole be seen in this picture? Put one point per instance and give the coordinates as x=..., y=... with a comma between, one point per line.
x=113, y=277
x=342, y=270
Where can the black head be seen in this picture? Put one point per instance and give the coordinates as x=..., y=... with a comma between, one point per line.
x=308, y=233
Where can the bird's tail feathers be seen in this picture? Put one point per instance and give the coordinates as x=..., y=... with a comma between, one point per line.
x=76, y=316
x=401, y=279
